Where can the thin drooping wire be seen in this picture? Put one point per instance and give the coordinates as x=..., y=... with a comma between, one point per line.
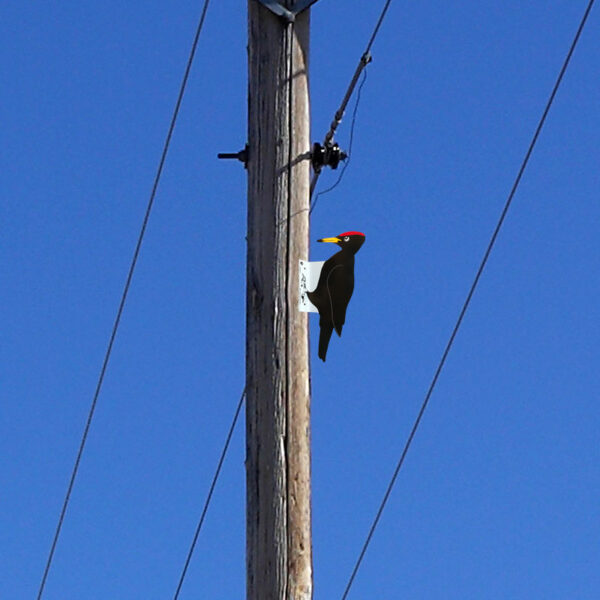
x=350, y=142
x=468, y=300
x=123, y=299
x=210, y=493
x=365, y=59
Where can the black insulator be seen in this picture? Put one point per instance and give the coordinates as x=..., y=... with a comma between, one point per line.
x=328, y=155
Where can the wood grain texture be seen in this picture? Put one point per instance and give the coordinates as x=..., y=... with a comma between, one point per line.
x=279, y=552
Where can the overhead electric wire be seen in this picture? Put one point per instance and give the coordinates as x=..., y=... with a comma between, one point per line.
x=209, y=496
x=469, y=296
x=365, y=59
x=379, y=22
x=123, y=299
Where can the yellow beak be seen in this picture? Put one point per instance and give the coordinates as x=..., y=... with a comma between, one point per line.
x=333, y=240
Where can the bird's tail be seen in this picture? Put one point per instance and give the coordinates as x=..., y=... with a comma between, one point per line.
x=324, y=337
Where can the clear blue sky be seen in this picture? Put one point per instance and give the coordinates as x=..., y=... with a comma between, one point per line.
x=500, y=491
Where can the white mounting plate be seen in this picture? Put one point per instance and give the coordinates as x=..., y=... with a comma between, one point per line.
x=308, y=274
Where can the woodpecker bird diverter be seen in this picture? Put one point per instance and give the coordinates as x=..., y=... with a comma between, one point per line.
x=332, y=283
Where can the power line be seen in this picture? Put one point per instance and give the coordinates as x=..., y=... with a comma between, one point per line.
x=351, y=141
x=469, y=296
x=123, y=299
x=209, y=496
x=379, y=22
x=365, y=59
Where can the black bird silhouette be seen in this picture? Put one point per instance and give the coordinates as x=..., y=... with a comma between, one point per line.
x=335, y=287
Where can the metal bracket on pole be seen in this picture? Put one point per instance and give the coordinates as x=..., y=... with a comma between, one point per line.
x=279, y=10
x=242, y=155
x=285, y=13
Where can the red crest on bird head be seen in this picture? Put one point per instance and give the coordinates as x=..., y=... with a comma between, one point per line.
x=352, y=233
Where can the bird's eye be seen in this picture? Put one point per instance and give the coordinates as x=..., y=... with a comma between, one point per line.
x=347, y=239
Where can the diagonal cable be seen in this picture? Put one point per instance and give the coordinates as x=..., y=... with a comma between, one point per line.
x=379, y=22
x=468, y=300
x=209, y=496
x=365, y=59
x=123, y=299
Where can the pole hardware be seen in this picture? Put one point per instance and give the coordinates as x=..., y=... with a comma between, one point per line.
x=287, y=14
x=365, y=59
x=242, y=155
x=327, y=155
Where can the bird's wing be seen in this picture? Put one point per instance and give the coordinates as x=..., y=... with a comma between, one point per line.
x=339, y=291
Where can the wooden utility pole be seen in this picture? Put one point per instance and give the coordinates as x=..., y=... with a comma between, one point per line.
x=279, y=548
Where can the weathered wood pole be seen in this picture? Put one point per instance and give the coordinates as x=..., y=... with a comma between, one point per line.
x=279, y=548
